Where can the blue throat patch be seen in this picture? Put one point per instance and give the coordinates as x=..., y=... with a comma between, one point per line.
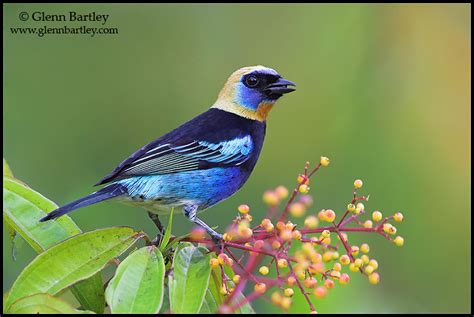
x=249, y=98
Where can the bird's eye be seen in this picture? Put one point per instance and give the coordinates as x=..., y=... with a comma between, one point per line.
x=252, y=81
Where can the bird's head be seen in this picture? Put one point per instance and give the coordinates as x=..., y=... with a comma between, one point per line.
x=252, y=91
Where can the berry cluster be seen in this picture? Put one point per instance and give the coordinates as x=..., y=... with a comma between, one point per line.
x=311, y=258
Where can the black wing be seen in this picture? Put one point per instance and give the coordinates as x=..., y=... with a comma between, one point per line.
x=192, y=146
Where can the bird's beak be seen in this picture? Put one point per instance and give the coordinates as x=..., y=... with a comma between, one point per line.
x=279, y=88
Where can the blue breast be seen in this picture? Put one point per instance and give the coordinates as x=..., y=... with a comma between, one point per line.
x=201, y=187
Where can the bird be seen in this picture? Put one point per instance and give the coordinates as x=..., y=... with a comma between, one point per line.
x=202, y=162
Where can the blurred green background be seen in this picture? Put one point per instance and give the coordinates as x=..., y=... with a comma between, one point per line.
x=383, y=90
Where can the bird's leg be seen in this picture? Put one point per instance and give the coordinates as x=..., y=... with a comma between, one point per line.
x=157, y=222
x=190, y=212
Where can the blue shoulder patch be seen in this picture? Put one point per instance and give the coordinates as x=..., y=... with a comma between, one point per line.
x=232, y=151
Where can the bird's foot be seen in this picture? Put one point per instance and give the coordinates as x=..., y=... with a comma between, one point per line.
x=190, y=213
x=157, y=240
x=218, y=240
x=159, y=226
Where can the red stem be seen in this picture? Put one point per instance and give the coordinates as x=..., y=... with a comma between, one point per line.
x=288, y=203
x=345, y=243
x=252, y=296
x=311, y=306
x=247, y=274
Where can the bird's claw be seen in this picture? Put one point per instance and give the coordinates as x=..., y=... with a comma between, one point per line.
x=218, y=240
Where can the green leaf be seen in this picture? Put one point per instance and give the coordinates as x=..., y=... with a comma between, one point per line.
x=12, y=236
x=7, y=172
x=6, y=169
x=215, y=285
x=189, y=281
x=90, y=293
x=182, y=245
x=175, y=242
x=5, y=296
x=245, y=308
x=73, y=260
x=138, y=284
x=22, y=209
x=166, y=238
x=209, y=305
x=165, y=307
x=42, y=304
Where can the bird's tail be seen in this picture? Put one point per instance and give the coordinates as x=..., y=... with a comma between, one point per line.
x=108, y=192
